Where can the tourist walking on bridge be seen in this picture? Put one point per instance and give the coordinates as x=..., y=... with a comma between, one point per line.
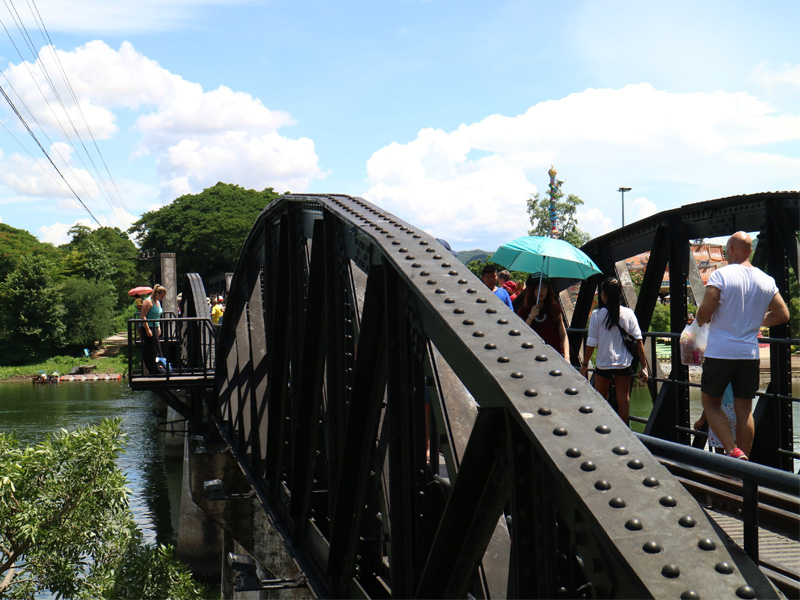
x=614, y=360
x=739, y=299
x=150, y=329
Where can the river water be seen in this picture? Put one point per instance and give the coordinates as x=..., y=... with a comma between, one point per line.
x=33, y=411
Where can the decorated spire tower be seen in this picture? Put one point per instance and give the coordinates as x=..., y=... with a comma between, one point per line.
x=555, y=193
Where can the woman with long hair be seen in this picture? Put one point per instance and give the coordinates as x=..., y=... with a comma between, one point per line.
x=150, y=328
x=543, y=314
x=614, y=361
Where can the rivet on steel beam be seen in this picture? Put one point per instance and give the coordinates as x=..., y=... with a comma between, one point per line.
x=573, y=452
x=437, y=257
x=472, y=291
x=555, y=373
x=526, y=345
x=707, y=544
x=690, y=595
x=389, y=235
x=423, y=242
x=481, y=300
x=491, y=311
x=459, y=311
x=477, y=334
x=440, y=291
x=462, y=281
x=604, y=429
x=620, y=450
x=635, y=464
x=416, y=266
x=724, y=568
x=541, y=358
x=586, y=410
x=560, y=431
x=452, y=273
x=425, y=273
x=446, y=265
x=687, y=521
x=650, y=482
x=431, y=282
x=491, y=346
x=531, y=393
x=588, y=466
x=668, y=501
x=395, y=242
x=514, y=332
x=404, y=250
x=409, y=257
x=672, y=571
x=417, y=236
x=449, y=301
x=545, y=412
x=468, y=322
x=633, y=524
x=516, y=375
x=617, y=503
x=503, y=359
x=602, y=485
x=745, y=591
x=429, y=250
x=502, y=321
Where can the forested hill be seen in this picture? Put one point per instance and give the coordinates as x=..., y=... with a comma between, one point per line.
x=467, y=256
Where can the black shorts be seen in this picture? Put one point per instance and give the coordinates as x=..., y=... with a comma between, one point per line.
x=610, y=373
x=741, y=373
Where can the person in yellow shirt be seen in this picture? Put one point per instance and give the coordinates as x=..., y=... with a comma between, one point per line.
x=217, y=310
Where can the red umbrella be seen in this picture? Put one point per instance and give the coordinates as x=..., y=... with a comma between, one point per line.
x=140, y=291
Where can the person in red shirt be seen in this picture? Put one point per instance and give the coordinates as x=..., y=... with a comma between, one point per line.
x=543, y=314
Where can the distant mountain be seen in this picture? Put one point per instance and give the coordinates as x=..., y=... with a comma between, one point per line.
x=467, y=256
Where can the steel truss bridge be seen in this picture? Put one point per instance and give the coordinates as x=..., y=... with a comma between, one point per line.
x=408, y=436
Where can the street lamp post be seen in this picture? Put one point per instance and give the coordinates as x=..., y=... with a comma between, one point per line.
x=623, y=190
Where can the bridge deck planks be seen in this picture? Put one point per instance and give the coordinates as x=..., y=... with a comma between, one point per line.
x=772, y=547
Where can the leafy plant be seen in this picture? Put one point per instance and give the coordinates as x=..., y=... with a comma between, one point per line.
x=66, y=526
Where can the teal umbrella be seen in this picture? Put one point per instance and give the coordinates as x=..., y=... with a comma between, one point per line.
x=552, y=258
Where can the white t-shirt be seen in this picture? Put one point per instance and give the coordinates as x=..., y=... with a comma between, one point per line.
x=611, y=350
x=745, y=294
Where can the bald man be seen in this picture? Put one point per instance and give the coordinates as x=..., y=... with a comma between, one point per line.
x=739, y=299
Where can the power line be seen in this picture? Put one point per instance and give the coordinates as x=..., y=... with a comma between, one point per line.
x=33, y=135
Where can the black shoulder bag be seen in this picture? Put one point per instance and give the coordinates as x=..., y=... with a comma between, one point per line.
x=629, y=341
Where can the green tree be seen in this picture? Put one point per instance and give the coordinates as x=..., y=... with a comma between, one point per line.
x=16, y=243
x=31, y=322
x=90, y=316
x=105, y=253
x=566, y=221
x=66, y=526
x=205, y=230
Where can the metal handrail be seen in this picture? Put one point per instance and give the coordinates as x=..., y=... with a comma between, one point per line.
x=752, y=476
x=189, y=342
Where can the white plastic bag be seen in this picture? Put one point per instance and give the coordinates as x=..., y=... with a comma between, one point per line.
x=693, y=343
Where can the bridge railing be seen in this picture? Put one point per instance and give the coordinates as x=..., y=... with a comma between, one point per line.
x=770, y=448
x=189, y=344
x=357, y=354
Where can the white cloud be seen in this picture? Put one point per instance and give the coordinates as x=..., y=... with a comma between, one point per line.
x=122, y=16
x=786, y=77
x=643, y=208
x=598, y=139
x=197, y=138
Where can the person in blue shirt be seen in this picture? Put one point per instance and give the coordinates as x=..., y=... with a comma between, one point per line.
x=489, y=277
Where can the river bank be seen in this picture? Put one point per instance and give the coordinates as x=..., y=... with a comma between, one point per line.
x=110, y=357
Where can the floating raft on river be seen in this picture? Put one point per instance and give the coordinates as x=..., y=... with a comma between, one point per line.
x=92, y=377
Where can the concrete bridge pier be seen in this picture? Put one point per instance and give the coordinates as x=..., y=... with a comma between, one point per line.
x=224, y=534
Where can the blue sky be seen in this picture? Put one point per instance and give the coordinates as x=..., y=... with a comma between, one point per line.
x=446, y=113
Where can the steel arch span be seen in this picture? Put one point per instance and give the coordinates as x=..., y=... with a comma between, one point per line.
x=356, y=350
